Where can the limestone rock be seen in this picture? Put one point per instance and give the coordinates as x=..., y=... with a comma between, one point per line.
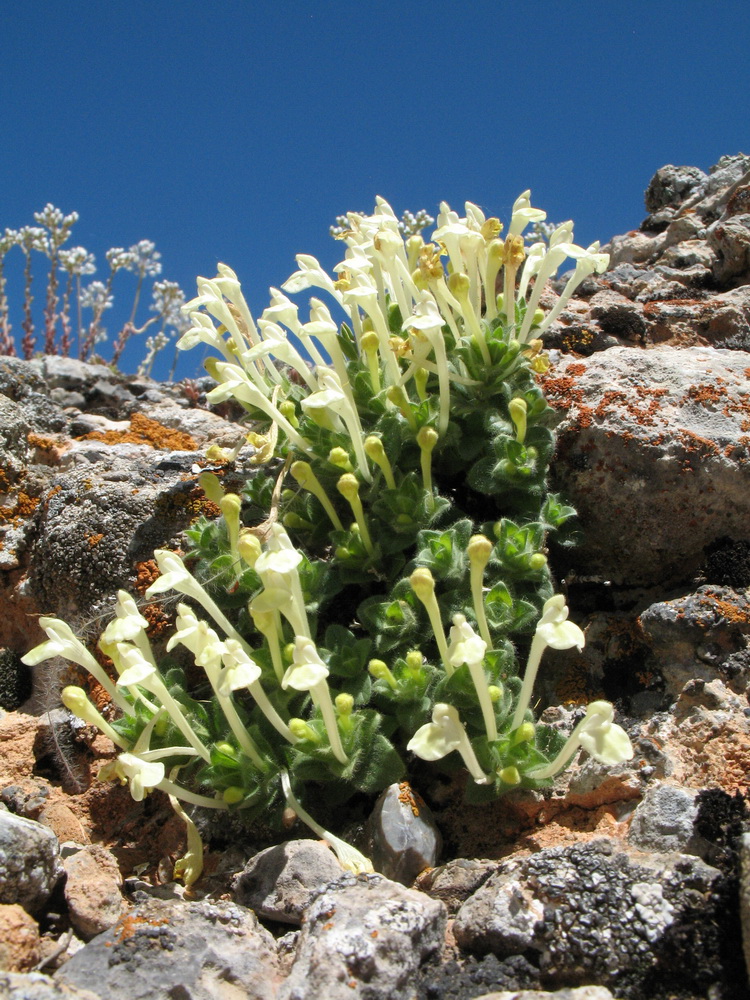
x=163, y=950
x=30, y=866
x=593, y=912
x=280, y=882
x=651, y=444
x=364, y=938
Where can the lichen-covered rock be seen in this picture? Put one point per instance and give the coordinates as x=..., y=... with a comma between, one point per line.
x=653, y=450
x=665, y=821
x=703, y=636
x=593, y=912
x=364, y=937
x=30, y=866
x=162, y=950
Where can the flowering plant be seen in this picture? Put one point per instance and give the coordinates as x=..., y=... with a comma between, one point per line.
x=365, y=595
x=66, y=295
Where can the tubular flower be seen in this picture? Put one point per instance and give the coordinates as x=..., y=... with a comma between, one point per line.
x=553, y=629
x=467, y=647
x=308, y=673
x=62, y=642
x=602, y=738
x=444, y=734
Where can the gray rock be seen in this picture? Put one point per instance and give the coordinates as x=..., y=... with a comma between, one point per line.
x=730, y=240
x=671, y=185
x=454, y=882
x=698, y=636
x=403, y=838
x=280, y=882
x=591, y=911
x=664, y=820
x=162, y=950
x=364, y=937
x=30, y=865
x=36, y=986
x=577, y=993
x=652, y=442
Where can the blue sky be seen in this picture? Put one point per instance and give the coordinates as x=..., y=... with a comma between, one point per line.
x=236, y=131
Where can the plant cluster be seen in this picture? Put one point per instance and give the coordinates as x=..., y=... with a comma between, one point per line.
x=365, y=597
x=74, y=312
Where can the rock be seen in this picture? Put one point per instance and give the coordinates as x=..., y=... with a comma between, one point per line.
x=37, y=986
x=15, y=680
x=364, y=937
x=30, y=866
x=454, y=882
x=162, y=950
x=577, y=993
x=92, y=890
x=402, y=836
x=19, y=939
x=280, y=882
x=745, y=895
x=596, y=912
x=651, y=442
x=672, y=185
x=702, y=636
x=664, y=821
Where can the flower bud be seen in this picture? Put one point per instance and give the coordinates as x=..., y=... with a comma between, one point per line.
x=348, y=486
x=340, y=458
x=537, y=562
x=510, y=776
x=210, y=483
x=479, y=550
x=344, y=703
x=495, y=692
x=427, y=438
x=422, y=583
x=288, y=410
x=459, y=284
x=301, y=731
x=225, y=748
x=233, y=795
x=414, y=660
x=524, y=734
x=249, y=547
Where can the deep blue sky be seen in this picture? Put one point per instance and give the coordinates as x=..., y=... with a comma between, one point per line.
x=237, y=130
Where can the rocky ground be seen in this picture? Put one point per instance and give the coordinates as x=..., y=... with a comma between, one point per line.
x=622, y=882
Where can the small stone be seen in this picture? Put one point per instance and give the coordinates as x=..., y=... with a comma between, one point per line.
x=664, y=820
x=280, y=882
x=92, y=890
x=19, y=939
x=403, y=839
x=455, y=881
x=30, y=866
x=577, y=993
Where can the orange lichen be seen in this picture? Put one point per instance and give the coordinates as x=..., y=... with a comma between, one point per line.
x=144, y=430
x=409, y=797
x=23, y=508
x=146, y=572
x=94, y=539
